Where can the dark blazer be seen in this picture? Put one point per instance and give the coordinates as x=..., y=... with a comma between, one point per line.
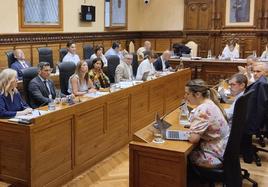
x=8, y=107
x=39, y=95
x=158, y=64
x=18, y=67
x=258, y=106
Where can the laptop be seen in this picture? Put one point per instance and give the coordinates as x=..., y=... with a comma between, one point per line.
x=145, y=75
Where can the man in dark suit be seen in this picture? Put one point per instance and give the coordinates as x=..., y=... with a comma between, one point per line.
x=20, y=63
x=161, y=63
x=41, y=89
x=257, y=115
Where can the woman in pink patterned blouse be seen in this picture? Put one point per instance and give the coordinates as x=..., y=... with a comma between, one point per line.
x=209, y=128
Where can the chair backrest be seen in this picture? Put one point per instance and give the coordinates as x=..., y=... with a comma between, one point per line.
x=231, y=163
x=46, y=55
x=28, y=74
x=63, y=52
x=194, y=48
x=135, y=64
x=113, y=62
x=131, y=47
x=66, y=69
x=10, y=58
x=88, y=51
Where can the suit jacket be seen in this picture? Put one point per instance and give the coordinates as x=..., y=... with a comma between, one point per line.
x=122, y=73
x=158, y=64
x=38, y=92
x=258, y=106
x=18, y=67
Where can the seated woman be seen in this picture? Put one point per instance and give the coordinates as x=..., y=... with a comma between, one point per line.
x=99, y=79
x=11, y=103
x=230, y=51
x=209, y=128
x=99, y=54
x=71, y=56
x=79, y=82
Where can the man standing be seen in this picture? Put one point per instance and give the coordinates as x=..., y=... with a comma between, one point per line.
x=41, y=89
x=20, y=63
x=124, y=69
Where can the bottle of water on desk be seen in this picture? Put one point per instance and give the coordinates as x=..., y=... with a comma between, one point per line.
x=209, y=54
x=51, y=104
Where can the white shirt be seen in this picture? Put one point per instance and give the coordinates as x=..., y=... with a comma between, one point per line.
x=69, y=57
x=23, y=63
x=163, y=63
x=103, y=58
x=227, y=54
x=144, y=67
x=230, y=111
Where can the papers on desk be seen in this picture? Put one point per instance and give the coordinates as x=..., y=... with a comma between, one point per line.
x=126, y=84
x=27, y=118
x=96, y=94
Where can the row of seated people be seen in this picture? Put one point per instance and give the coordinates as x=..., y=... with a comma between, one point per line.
x=83, y=80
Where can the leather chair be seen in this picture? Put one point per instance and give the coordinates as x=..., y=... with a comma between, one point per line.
x=135, y=64
x=46, y=55
x=28, y=75
x=230, y=173
x=88, y=51
x=63, y=52
x=66, y=69
x=10, y=58
x=113, y=62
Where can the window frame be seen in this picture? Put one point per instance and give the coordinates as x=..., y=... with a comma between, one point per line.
x=39, y=27
x=115, y=27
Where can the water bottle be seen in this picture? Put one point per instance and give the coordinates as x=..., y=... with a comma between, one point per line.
x=51, y=104
x=209, y=54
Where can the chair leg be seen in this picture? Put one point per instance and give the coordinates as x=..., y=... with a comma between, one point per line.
x=246, y=176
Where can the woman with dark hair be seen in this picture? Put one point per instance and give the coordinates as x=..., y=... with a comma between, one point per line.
x=98, y=53
x=71, y=56
x=99, y=79
x=79, y=82
x=209, y=128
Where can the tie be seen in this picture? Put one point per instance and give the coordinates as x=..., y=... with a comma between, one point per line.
x=47, y=87
x=25, y=65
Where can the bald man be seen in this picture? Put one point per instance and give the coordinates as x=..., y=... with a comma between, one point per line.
x=161, y=64
x=20, y=63
x=146, y=47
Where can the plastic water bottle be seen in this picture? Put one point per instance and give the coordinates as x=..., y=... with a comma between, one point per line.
x=51, y=104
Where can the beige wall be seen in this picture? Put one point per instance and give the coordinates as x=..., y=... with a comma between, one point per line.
x=158, y=15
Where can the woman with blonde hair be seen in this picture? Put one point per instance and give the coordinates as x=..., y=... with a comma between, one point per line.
x=79, y=82
x=208, y=125
x=11, y=103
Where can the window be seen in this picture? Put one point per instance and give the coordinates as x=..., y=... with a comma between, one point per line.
x=115, y=14
x=40, y=15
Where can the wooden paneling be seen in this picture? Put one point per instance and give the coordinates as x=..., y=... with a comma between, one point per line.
x=64, y=143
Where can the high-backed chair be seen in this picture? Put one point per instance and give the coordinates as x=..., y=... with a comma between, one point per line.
x=131, y=47
x=88, y=51
x=66, y=69
x=28, y=74
x=194, y=48
x=63, y=52
x=10, y=58
x=230, y=173
x=46, y=55
x=113, y=62
x=135, y=64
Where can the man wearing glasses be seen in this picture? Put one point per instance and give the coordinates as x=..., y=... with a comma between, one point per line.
x=124, y=69
x=41, y=89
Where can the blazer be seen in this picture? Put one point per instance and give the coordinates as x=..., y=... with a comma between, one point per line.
x=122, y=73
x=258, y=106
x=38, y=92
x=158, y=64
x=18, y=67
x=8, y=107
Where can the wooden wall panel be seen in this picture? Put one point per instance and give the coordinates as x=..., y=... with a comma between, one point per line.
x=3, y=57
x=162, y=44
x=55, y=50
x=35, y=55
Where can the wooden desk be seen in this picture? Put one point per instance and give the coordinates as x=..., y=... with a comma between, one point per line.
x=158, y=165
x=60, y=145
x=210, y=70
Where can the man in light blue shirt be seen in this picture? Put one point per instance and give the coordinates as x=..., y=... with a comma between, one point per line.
x=114, y=50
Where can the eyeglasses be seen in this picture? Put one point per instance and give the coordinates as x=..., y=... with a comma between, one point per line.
x=233, y=84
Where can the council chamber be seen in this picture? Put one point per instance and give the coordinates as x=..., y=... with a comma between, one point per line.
x=138, y=93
